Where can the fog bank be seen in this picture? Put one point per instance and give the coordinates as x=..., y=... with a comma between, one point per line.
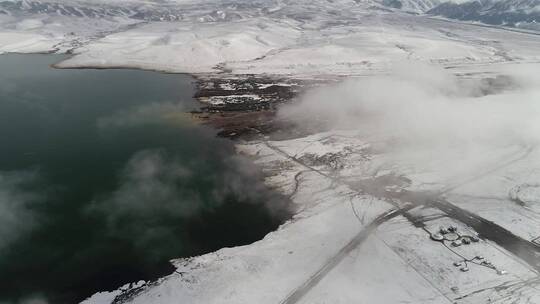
x=424, y=111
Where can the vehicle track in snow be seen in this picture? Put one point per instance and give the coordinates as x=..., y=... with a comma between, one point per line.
x=521, y=248
x=526, y=152
x=299, y=292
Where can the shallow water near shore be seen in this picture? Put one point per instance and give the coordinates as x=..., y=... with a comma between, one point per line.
x=104, y=177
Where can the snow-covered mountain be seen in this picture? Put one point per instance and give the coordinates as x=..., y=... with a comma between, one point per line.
x=519, y=13
x=415, y=6
x=513, y=13
x=147, y=11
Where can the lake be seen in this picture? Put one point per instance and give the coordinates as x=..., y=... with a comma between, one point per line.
x=104, y=177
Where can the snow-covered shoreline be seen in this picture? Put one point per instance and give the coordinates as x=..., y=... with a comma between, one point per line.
x=327, y=174
x=393, y=257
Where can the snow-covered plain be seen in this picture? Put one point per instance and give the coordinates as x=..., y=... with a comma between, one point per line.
x=345, y=244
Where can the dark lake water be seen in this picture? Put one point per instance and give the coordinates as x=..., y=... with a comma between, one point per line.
x=104, y=178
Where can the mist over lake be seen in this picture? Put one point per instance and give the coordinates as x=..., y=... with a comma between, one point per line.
x=104, y=178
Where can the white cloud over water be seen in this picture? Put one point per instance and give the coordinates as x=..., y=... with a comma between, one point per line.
x=16, y=215
x=33, y=299
x=159, y=193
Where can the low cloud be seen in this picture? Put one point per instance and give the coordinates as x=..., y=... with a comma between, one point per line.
x=159, y=191
x=34, y=299
x=151, y=175
x=424, y=110
x=16, y=205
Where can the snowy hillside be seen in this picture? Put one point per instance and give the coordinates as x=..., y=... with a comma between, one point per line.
x=273, y=37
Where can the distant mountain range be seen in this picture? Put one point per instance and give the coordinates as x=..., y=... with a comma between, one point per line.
x=513, y=13
x=516, y=13
x=157, y=10
x=416, y=6
x=100, y=10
